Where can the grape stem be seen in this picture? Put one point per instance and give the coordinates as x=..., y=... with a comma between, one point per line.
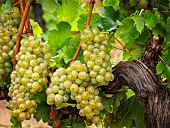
x=27, y=23
x=92, y=2
x=20, y=31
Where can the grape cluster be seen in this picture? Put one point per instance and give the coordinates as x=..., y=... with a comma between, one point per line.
x=9, y=22
x=129, y=6
x=80, y=82
x=96, y=56
x=74, y=83
x=29, y=76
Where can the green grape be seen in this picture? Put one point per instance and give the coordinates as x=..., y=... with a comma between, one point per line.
x=58, y=98
x=100, y=78
x=96, y=119
x=22, y=116
x=87, y=109
x=85, y=95
x=74, y=88
x=29, y=76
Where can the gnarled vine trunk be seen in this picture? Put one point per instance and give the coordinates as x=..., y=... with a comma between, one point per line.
x=140, y=77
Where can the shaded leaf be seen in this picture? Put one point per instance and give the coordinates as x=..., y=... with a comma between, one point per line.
x=143, y=37
x=135, y=112
x=15, y=122
x=39, y=97
x=42, y=112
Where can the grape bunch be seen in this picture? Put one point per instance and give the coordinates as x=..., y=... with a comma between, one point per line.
x=29, y=77
x=74, y=83
x=96, y=56
x=80, y=81
x=65, y=83
x=129, y=6
x=9, y=22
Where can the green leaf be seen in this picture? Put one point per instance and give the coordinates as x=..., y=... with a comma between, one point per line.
x=108, y=24
x=8, y=4
x=167, y=70
x=96, y=18
x=136, y=52
x=151, y=19
x=39, y=97
x=139, y=22
x=37, y=30
x=15, y=122
x=49, y=5
x=114, y=3
x=160, y=67
x=110, y=12
x=159, y=29
x=68, y=53
x=130, y=93
x=135, y=112
x=59, y=37
x=127, y=32
x=68, y=11
x=79, y=124
x=42, y=112
x=75, y=40
x=143, y=37
x=168, y=23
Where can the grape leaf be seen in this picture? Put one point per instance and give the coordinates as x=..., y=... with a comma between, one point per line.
x=68, y=53
x=96, y=18
x=127, y=32
x=59, y=37
x=15, y=122
x=151, y=19
x=112, y=103
x=114, y=3
x=75, y=40
x=159, y=29
x=135, y=112
x=42, y=112
x=160, y=67
x=143, y=37
x=37, y=30
x=79, y=124
x=139, y=22
x=130, y=93
x=68, y=11
x=39, y=97
x=110, y=12
x=49, y=5
x=168, y=23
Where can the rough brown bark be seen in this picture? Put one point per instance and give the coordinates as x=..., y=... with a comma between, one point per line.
x=140, y=77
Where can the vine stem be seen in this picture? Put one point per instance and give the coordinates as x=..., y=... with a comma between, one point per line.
x=27, y=22
x=20, y=31
x=92, y=2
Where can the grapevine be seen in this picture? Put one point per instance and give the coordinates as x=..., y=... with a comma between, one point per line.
x=97, y=63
